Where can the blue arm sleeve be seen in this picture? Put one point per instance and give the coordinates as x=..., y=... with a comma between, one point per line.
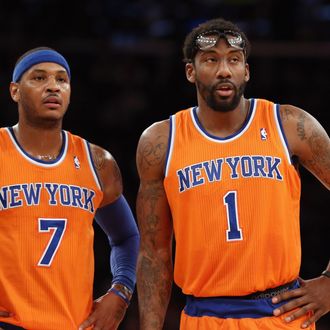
x=117, y=221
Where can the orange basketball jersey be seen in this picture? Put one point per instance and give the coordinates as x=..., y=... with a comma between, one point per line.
x=231, y=237
x=46, y=234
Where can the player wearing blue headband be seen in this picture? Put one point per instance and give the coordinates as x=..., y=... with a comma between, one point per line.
x=52, y=185
x=37, y=56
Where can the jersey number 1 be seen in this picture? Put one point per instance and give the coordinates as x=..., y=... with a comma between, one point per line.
x=58, y=228
x=234, y=232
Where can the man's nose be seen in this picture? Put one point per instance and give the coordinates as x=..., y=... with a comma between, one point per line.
x=52, y=84
x=223, y=70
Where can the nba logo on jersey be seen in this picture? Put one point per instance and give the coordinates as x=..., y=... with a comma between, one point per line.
x=76, y=162
x=263, y=134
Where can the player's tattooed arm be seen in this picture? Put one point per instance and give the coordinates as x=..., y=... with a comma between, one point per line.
x=108, y=173
x=155, y=268
x=308, y=141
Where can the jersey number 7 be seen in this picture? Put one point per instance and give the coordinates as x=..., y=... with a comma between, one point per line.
x=58, y=227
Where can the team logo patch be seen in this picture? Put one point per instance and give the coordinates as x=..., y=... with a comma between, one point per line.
x=76, y=162
x=263, y=133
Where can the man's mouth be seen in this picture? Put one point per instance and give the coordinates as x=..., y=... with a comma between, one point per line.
x=52, y=102
x=224, y=90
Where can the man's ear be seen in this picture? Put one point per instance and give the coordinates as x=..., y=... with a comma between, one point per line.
x=14, y=91
x=190, y=72
x=247, y=73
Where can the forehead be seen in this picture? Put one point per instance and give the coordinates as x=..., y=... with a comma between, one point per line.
x=47, y=67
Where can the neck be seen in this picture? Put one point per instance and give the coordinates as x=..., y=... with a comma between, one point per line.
x=44, y=144
x=223, y=124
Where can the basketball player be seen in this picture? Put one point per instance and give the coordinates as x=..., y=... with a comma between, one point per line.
x=52, y=185
x=222, y=176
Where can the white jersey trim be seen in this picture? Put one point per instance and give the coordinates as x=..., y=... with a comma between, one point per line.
x=276, y=111
x=36, y=161
x=245, y=127
x=170, y=144
x=91, y=164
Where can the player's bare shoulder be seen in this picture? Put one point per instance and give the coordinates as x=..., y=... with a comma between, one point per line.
x=152, y=148
x=308, y=140
x=294, y=120
x=108, y=172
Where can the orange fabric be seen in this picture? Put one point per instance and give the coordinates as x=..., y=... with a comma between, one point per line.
x=214, y=323
x=222, y=187
x=46, y=294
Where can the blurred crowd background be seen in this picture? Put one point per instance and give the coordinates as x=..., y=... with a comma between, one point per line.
x=127, y=72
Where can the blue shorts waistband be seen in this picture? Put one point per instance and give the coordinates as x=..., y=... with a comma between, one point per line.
x=232, y=307
x=7, y=326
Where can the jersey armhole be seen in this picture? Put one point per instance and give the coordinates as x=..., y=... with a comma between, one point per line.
x=170, y=144
x=92, y=165
x=281, y=133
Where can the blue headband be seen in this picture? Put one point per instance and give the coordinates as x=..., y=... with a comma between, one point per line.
x=39, y=56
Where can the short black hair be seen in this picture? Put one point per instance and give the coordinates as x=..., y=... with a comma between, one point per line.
x=189, y=46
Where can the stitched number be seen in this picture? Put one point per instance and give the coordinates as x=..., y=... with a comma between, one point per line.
x=234, y=232
x=58, y=228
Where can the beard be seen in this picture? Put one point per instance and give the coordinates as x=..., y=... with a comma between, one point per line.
x=221, y=104
x=41, y=119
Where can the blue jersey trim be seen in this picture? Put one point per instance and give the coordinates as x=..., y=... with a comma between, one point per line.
x=169, y=144
x=37, y=160
x=93, y=168
x=8, y=326
x=279, y=120
x=236, y=308
x=213, y=137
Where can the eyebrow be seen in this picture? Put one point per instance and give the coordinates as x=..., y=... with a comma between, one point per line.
x=231, y=50
x=45, y=71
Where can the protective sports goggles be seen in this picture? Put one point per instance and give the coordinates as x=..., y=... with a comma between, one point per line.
x=209, y=39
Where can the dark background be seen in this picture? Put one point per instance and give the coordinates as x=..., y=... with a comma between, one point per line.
x=127, y=72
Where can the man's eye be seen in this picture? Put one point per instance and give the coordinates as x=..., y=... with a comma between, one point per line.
x=62, y=79
x=211, y=59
